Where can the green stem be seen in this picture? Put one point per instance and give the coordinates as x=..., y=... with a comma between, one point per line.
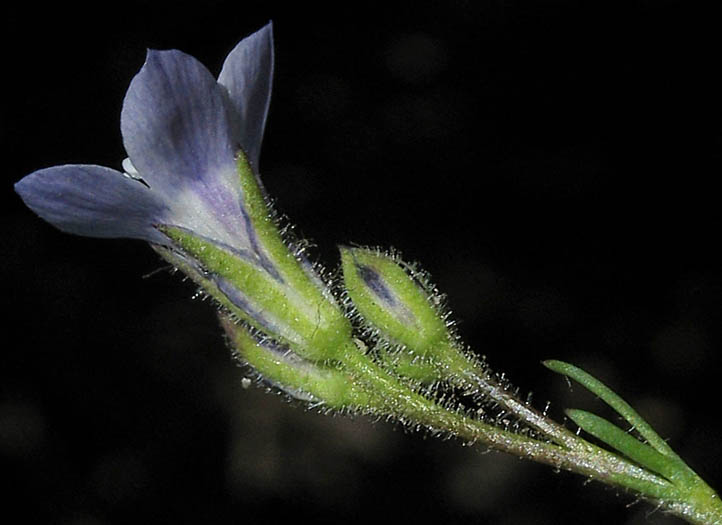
x=699, y=510
x=589, y=460
x=698, y=505
x=469, y=374
x=698, y=502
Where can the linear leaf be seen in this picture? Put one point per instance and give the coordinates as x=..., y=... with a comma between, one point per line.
x=672, y=469
x=617, y=403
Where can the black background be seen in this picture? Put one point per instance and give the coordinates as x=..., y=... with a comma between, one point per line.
x=553, y=164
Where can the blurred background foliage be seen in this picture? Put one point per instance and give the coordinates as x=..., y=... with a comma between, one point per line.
x=553, y=164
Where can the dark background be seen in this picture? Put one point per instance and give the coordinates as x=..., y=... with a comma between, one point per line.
x=553, y=164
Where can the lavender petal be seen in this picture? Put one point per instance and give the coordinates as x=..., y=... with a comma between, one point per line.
x=94, y=201
x=176, y=130
x=247, y=74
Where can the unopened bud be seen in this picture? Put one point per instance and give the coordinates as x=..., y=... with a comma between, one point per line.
x=300, y=378
x=392, y=302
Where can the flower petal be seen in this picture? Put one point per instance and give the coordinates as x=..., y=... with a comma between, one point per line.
x=174, y=122
x=247, y=74
x=93, y=201
x=176, y=130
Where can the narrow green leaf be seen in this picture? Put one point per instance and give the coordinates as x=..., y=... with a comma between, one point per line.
x=630, y=446
x=617, y=403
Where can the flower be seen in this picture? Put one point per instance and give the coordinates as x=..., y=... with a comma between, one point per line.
x=181, y=129
x=191, y=189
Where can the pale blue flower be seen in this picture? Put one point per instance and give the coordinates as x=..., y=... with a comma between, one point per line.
x=181, y=129
x=190, y=187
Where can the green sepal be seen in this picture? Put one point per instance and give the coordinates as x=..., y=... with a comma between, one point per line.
x=318, y=383
x=315, y=328
x=396, y=303
x=406, y=364
x=298, y=275
x=273, y=290
x=389, y=300
x=265, y=227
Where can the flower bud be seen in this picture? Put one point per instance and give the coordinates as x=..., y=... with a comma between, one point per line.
x=302, y=379
x=392, y=302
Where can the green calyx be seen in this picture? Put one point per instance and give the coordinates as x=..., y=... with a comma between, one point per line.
x=330, y=386
x=404, y=363
x=389, y=299
x=268, y=287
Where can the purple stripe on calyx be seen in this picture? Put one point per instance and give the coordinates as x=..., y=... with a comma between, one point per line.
x=376, y=284
x=264, y=261
x=254, y=257
x=236, y=297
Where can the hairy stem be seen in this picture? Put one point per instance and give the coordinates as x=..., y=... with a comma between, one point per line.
x=584, y=458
